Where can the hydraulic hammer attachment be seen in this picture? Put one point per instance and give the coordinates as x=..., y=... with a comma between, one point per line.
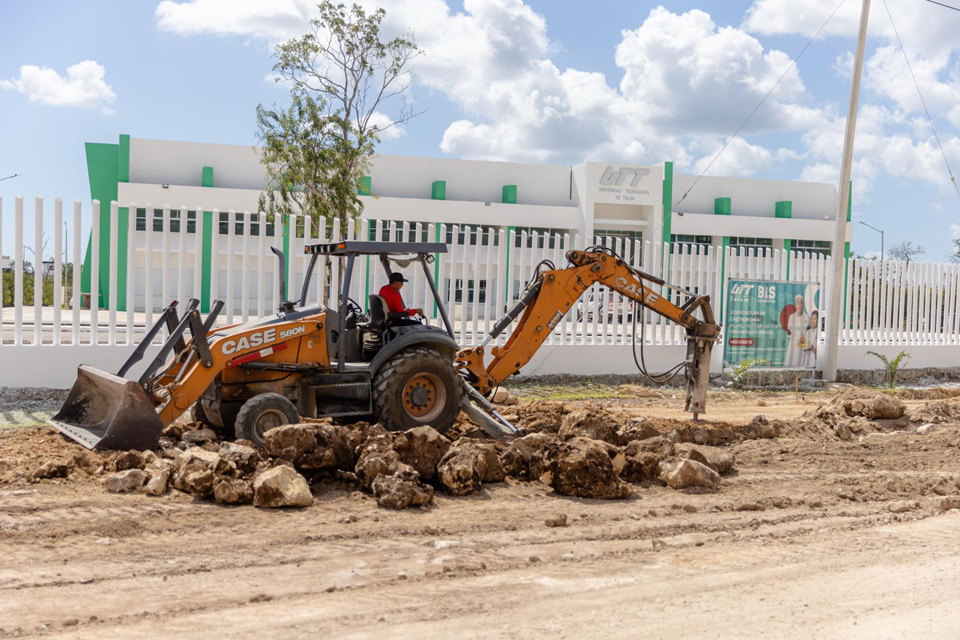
x=698, y=374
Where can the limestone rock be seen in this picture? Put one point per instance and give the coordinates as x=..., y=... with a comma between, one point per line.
x=641, y=459
x=718, y=459
x=158, y=481
x=281, y=487
x=946, y=503
x=199, y=435
x=500, y=395
x=467, y=464
x=245, y=457
x=583, y=468
x=688, y=473
x=314, y=446
x=50, y=470
x=530, y=456
x=401, y=491
x=559, y=520
x=196, y=469
x=228, y=490
x=883, y=407
x=378, y=458
x=636, y=429
x=512, y=401
x=422, y=448
x=586, y=423
x=125, y=481
x=902, y=506
x=125, y=460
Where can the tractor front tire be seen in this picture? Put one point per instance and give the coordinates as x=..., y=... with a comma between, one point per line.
x=261, y=413
x=417, y=387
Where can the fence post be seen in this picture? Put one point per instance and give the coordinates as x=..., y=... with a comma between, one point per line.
x=38, y=272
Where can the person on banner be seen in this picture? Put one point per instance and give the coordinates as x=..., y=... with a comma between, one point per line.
x=799, y=344
x=399, y=313
x=813, y=332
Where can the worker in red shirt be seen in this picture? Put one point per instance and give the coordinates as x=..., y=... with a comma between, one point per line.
x=398, y=311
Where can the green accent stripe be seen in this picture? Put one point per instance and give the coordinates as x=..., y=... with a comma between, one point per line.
x=723, y=206
x=667, y=208
x=206, y=259
x=509, y=194
x=102, y=171
x=787, y=246
x=123, y=159
x=438, y=190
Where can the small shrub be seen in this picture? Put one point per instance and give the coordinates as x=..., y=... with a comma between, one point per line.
x=892, y=366
x=740, y=371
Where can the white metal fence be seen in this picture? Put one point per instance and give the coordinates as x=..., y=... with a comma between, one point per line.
x=46, y=320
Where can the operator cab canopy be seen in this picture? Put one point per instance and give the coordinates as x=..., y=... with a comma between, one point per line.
x=383, y=249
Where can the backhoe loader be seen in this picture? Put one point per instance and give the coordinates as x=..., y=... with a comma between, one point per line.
x=319, y=362
x=301, y=362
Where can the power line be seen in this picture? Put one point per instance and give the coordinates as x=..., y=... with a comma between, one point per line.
x=953, y=178
x=939, y=3
x=793, y=63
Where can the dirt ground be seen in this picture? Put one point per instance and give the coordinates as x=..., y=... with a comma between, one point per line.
x=812, y=536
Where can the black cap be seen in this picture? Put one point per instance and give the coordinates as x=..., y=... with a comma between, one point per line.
x=397, y=277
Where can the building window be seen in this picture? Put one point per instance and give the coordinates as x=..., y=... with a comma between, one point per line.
x=628, y=243
x=485, y=235
x=462, y=292
x=819, y=247
x=384, y=231
x=175, y=222
x=690, y=240
x=546, y=238
x=745, y=244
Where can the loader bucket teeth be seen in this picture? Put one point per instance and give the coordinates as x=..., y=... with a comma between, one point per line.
x=104, y=411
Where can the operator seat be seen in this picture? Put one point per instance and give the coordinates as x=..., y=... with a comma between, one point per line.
x=379, y=312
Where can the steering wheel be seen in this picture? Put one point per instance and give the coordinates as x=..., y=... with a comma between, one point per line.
x=354, y=306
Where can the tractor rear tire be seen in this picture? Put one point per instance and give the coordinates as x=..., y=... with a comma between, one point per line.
x=261, y=413
x=417, y=387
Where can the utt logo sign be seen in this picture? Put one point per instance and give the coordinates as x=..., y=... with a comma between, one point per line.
x=611, y=178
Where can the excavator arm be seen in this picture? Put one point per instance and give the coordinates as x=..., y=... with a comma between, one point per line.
x=552, y=293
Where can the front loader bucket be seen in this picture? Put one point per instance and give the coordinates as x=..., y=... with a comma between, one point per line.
x=104, y=411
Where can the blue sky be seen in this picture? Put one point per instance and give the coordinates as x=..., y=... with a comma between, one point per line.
x=554, y=81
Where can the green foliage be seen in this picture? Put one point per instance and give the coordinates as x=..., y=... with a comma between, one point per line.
x=9, y=279
x=740, y=371
x=317, y=149
x=892, y=366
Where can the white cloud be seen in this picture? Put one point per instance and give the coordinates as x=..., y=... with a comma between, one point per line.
x=273, y=20
x=83, y=86
x=739, y=159
x=388, y=130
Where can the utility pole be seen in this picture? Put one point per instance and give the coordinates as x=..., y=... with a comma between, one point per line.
x=840, y=238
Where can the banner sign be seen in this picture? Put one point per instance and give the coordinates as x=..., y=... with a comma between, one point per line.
x=772, y=321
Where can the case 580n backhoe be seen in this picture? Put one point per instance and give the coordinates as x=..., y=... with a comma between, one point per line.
x=319, y=362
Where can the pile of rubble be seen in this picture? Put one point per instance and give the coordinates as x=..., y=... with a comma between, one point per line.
x=860, y=411
x=586, y=453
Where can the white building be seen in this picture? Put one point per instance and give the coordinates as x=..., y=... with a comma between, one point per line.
x=649, y=203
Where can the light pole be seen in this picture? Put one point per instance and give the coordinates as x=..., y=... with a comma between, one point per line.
x=835, y=309
x=881, y=237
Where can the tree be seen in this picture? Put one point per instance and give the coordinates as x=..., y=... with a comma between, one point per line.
x=316, y=150
x=906, y=251
x=956, y=250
